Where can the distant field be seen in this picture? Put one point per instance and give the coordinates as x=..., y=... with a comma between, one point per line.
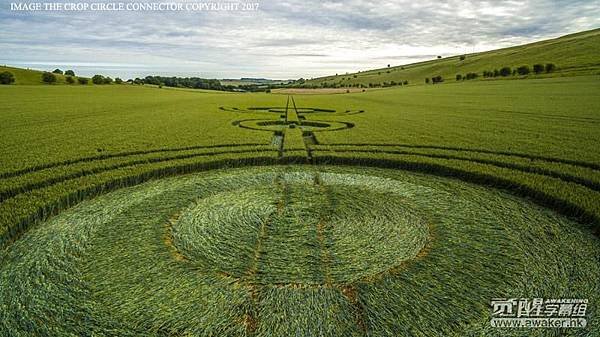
x=576, y=54
x=299, y=91
x=133, y=210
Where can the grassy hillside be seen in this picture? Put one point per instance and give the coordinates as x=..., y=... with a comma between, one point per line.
x=576, y=54
x=32, y=77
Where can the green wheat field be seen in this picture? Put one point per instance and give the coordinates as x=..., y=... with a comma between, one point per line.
x=130, y=210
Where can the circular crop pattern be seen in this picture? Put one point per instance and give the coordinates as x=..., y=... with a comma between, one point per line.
x=292, y=251
x=290, y=219
x=297, y=119
x=274, y=125
x=282, y=109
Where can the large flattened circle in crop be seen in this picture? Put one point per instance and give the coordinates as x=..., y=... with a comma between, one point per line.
x=300, y=230
x=292, y=250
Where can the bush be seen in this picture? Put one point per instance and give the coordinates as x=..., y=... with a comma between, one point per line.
x=463, y=57
x=108, y=80
x=496, y=73
x=69, y=73
x=439, y=57
x=69, y=80
x=6, y=77
x=471, y=76
x=550, y=67
x=459, y=77
x=118, y=80
x=57, y=71
x=523, y=70
x=437, y=79
x=538, y=68
x=82, y=80
x=427, y=80
x=405, y=82
x=98, y=79
x=505, y=71
x=48, y=77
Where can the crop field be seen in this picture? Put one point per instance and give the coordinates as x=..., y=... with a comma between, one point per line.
x=139, y=211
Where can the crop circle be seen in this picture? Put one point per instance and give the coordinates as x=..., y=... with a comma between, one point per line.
x=284, y=250
x=318, y=228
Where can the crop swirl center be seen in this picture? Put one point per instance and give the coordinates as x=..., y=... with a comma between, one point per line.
x=302, y=229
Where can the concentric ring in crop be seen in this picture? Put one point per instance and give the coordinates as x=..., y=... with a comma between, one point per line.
x=291, y=250
x=277, y=125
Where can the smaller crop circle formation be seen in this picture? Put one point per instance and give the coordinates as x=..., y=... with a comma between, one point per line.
x=279, y=125
x=272, y=125
x=291, y=250
x=299, y=110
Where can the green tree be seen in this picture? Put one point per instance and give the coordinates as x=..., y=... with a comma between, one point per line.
x=118, y=80
x=108, y=80
x=48, y=77
x=98, y=79
x=6, y=77
x=523, y=70
x=82, y=80
x=69, y=73
x=459, y=77
x=538, y=68
x=550, y=67
x=57, y=71
x=70, y=79
x=505, y=71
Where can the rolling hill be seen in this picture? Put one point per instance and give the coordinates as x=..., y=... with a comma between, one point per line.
x=575, y=54
x=30, y=76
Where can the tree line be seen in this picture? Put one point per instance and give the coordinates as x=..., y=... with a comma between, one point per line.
x=196, y=83
x=501, y=72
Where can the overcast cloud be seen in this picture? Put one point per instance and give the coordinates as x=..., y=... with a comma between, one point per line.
x=282, y=39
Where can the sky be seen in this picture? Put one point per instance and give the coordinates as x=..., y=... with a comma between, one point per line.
x=278, y=39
